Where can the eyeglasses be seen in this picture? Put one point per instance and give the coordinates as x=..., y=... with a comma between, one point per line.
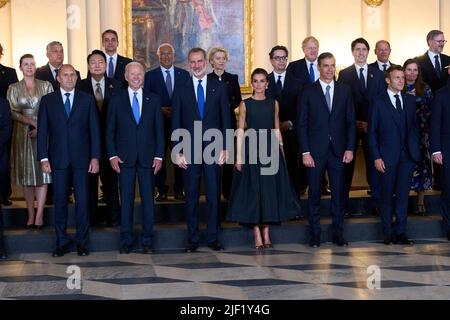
x=441, y=41
x=280, y=59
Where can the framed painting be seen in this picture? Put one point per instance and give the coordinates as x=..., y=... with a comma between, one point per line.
x=191, y=23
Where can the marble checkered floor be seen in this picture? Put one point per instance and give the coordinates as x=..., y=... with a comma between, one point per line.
x=287, y=272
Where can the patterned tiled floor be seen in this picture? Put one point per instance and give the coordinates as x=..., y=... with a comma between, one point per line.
x=286, y=272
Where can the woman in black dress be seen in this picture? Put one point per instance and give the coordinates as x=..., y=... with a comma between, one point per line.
x=261, y=192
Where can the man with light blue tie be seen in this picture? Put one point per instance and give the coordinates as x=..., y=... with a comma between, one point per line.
x=201, y=102
x=115, y=62
x=68, y=146
x=135, y=146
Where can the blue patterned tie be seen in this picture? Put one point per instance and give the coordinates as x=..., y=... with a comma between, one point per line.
x=111, y=68
x=136, y=112
x=67, y=104
x=437, y=66
x=311, y=72
x=200, y=99
x=169, y=83
x=328, y=97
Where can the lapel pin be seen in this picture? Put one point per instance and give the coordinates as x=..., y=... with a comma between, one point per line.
x=371, y=75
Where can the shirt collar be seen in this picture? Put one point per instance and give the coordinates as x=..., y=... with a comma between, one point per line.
x=94, y=82
x=309, y=62
x=114, y=56
x=324, y=84
x=392, y=94
x=365, y=67
x=171, y=69
x=131, y=91
x=276, y=74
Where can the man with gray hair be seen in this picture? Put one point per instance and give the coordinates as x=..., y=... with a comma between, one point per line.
x=49, y=72
x=163, y=81
x=383, y=52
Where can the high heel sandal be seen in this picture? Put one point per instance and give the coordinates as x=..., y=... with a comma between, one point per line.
x=421, y=211
x=268, y=245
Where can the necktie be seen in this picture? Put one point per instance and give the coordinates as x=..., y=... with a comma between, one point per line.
x=67, y=104
x=279, y=87
x=99, y=96
x=200, y=99
x=56, y=74
x=361, y=78
x=328, y=97
x=311, y=73
x=398, y=104
x=437, y=66
x=384, y=67
x=111, y=68
x=169, y=83
x=136, y=112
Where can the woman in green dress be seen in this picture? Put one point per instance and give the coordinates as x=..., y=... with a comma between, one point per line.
x=24, y=98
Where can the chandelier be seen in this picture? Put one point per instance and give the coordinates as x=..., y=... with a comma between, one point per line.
x=374, y=3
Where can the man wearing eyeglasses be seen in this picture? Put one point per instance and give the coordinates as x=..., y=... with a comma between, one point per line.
x=433, y=61
x=285, y=87
x=433, y=64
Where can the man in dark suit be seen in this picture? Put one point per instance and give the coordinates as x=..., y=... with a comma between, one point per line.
x=49, y=72
x=135, y=142
x=327, y=141
x=68, y=146
x=7, y=76
x=394, y=149
x=102, y=89
x=200, y=103
x=5, y=134
x=383, y=52
x=115, y=62
x=365, y=82
x=285, y=87
x=433, y=64
x=163, y=81
x=440, y=147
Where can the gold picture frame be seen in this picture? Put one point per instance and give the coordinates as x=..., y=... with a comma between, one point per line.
x=247, y=54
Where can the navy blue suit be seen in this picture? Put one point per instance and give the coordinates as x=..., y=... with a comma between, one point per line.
x=156, y=83
x=69, y=143
x=136, y=145
x=394, y=138
x=216, y=116
x=5, y=135
x=440, y=142
x=326, y=136
x=288, y=112
x=107, y=175
x=362, y=98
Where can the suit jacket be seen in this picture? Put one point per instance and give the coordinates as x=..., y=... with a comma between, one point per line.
x=288, y=99
x=119, y=73
x=135, y=143
x=384, y=133
x=185, y=111
x=73, y=140
x=7, y=76
x=440, y=123
x=318, y=127
x=5, y=135
x=429, y=75
x=156, y=83
x=362, y=97
x=112, y=87
x=45, y=73
x=375, y=65
x=299, y=70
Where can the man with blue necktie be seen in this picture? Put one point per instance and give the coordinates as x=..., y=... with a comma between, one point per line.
x=135, y=145
x=201, y=102
x=393, y=136
x=383, y=52
x=68, y=146
x=115, y=62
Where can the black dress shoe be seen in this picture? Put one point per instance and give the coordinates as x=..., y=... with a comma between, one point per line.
x=314, y=242
x=375, y=212
x=60, y=251
x=387, y=240
x=403, y=239
x=125, y=249
x=180, y=196
x=82, y=251
x=6, y=201
x=39, y=226
x=216, y=246
x=340, y=241
x=192, y=247
x=448, y=236
x=326, y=191
x=161, y=196
x=3, y=255
x=147, y=250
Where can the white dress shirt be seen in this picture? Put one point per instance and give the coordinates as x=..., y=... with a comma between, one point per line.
x=53, y=70
x=433, y=61
x=324, y=89
x=365, y=71
x=392, y=97
x=172, y=75
x=114, y=61
x=380, y=65
x=283, y=77
x=102, y=85
x=203, y=84
x=315, y=67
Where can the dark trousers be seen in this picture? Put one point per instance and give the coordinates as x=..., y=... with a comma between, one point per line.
x=61, y=185
x=335, y=168
x=445, y=194
x=395, y=183
x=192, y=176
x=2, y=245
x=127, y=180
x=161, y=176
x=110, y=189
x=297, y=171
x=372, y=175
